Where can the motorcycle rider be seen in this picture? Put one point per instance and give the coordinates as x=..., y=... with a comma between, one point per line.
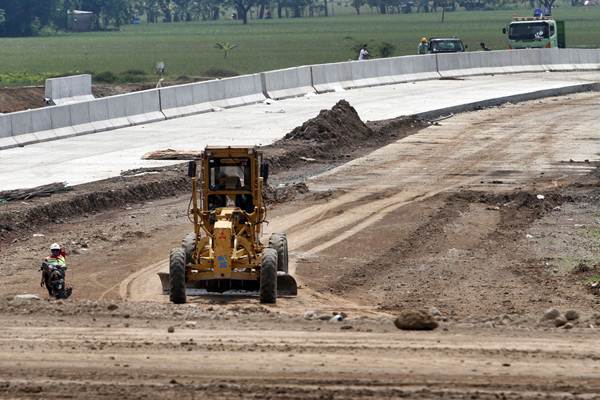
x=57, y=260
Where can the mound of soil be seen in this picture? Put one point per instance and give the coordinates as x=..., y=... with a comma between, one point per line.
x=19, y=99
x=334, y=136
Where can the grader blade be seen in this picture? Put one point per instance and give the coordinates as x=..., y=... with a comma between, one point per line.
x=286, y=285
x=164, y=281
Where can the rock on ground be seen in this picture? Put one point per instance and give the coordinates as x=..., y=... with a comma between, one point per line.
x=571, y=315
x=416, y=320
x=551, y=313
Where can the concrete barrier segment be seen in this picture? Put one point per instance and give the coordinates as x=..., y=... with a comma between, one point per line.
x=21, y=123
x=286, y=83
x=456, y=64
x=176, y=101
x=5, y=126
x=236, y=91
x=584, y=59
x=559, y=60
x=81, y=123
x=99, y=115
x=69, y=89
x=62, y=124
x=201, y=97
x=471, y=63
x=365, y=73
x=414, y=68
x=143, y=107
x=528, y=60
x=134, y=107
x=41, y=124
x=151, y=106
x=332, y=77
x=118, y=112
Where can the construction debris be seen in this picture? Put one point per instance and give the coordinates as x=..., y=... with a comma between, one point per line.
x=39, y=191
x=170, y=154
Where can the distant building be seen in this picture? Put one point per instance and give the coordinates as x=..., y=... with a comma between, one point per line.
x=80, y=21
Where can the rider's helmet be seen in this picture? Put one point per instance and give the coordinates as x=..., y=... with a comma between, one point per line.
x=423, y=40
x=55, y=249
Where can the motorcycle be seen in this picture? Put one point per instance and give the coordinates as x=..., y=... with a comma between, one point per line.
x=53, y=277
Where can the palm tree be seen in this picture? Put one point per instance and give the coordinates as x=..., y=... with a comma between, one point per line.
x=226, y=47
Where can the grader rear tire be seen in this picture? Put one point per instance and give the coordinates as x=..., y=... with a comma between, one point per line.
x=278, y=241
x=268, y=277
x=177, y=275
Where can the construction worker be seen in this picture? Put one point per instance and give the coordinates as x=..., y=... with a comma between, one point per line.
x=57, y=256
x=55, y=259
x=423, y=46
x=363, y=54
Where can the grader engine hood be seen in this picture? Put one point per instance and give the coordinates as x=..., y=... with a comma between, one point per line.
x=223, y=246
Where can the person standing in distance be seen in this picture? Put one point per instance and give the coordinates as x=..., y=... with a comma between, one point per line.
x=423, y=46
x=364, y=53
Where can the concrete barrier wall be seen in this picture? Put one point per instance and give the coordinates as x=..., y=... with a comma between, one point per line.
x=130, y=109
x=290, y=82
x=414, y=68
x=493, y=62
x=588, y=59
x=182, y=100
x=5, y=125
x=370, y=72
x=236, y=91
x=69, y=89
x=195, y=98
x=332, y=77
x=157, y=104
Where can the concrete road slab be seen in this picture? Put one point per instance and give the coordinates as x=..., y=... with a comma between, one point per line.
x=102, y=155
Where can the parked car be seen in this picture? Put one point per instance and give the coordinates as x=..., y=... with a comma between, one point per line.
x=446, y=45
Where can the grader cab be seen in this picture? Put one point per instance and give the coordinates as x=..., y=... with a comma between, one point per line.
x=224, y=253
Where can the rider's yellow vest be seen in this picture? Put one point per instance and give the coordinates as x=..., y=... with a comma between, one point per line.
x=58, y=261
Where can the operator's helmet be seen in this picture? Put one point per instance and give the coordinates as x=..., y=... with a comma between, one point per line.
x=423, y=40
x=54, y=246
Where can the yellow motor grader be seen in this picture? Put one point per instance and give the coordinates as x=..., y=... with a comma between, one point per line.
x=224, y=253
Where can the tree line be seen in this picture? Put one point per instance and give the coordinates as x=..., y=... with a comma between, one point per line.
x=30, y=17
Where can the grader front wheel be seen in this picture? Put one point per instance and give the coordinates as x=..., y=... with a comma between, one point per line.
x=177, y=276
x=268, y=277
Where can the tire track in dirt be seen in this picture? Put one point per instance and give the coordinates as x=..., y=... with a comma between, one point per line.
x=406, y=172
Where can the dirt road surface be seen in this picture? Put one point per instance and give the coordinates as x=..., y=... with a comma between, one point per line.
x=488, y=217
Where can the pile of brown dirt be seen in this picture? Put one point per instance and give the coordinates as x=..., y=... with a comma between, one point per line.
x=335, y=136
x=22, y=98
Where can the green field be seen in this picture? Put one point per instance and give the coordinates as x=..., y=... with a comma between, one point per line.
x=188, y=48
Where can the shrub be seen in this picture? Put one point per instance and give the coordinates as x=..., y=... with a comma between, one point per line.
x=219, y=72
x=105, y=77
